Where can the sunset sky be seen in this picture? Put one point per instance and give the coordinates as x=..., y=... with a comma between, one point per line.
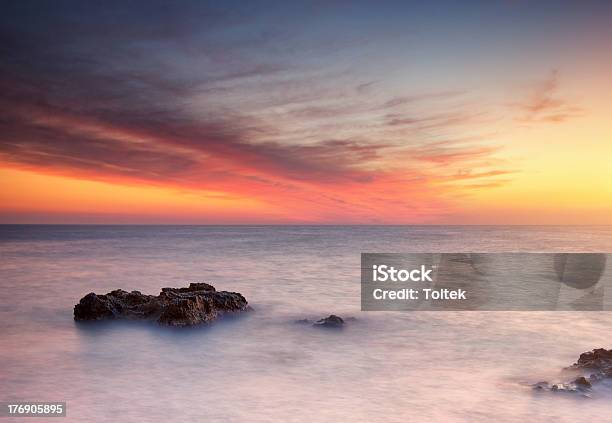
x=493, y=112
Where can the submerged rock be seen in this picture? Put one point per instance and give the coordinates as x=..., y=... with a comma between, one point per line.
x=332, y=321
x=579, y=385
x=198, y=303
x=596, y=365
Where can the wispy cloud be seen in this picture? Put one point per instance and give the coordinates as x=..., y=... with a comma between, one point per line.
x=545, y=103
x=181, y=99
x=450, y=152
x=415, y=98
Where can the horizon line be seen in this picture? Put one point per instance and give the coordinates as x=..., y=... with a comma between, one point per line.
x=306, y=224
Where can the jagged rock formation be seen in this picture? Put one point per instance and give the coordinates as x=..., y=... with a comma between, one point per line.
x=198, y=303
x=596, y=366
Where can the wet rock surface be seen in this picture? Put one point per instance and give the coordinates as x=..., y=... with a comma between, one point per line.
x=595, y=365
x=330, y=322
x=579, y=385
x=599, y=359
x=196, y=304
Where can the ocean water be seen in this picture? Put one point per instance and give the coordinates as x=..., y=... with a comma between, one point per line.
x=435, y=366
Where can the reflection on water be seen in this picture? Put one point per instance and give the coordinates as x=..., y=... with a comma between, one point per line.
x=386, y=366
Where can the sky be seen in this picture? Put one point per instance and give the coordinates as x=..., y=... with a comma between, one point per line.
x=492, y=112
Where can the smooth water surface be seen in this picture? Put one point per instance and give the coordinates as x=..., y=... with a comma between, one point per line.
x=386, y=366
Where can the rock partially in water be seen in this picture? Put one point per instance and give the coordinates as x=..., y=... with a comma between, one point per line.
x=596, y=366
x=198, y=303
x=582, y=382
x=599, y=359
x=332, y=322
x=579, y=385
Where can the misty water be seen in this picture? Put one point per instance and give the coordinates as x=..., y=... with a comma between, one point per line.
x=261, y=367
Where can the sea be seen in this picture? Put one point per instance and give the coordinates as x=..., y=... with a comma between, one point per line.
x=384, y=366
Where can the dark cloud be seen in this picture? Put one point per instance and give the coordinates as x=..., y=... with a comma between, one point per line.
x=141, y=90
x=72, y=66
x=165, y=147
x=45, y=147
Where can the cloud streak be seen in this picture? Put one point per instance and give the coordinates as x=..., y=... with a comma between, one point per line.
x=183, y=98
x=546, y=105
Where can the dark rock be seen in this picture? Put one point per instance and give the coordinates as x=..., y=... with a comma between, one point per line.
x=599, y=359
x=332, y=321
x=596, y=364
x=540, y=386
x=582, y=382
x=575, y=386
x=198, y=303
